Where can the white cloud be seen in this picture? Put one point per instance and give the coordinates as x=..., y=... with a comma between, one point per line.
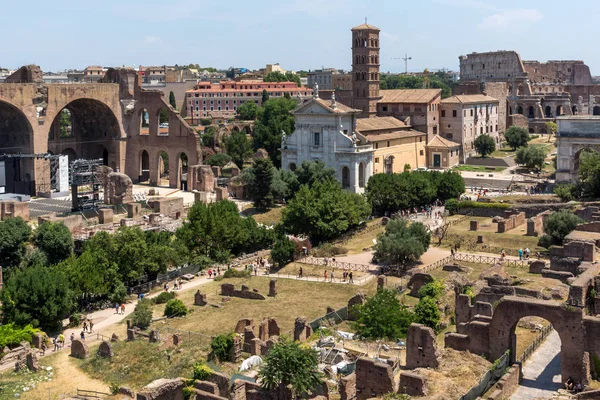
x=390, y=37
x=506, y=18
x=473, y=4
x=152, y=40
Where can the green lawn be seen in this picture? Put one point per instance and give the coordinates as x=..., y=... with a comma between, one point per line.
x=475, y=168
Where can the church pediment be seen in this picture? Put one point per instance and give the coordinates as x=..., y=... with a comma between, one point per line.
x=313, y=107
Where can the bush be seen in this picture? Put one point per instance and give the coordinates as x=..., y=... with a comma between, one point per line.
x=234, y=273
x=531, y=157
x=433, y=289
x=205, y=121
x=565, y=191
x=142, y=315
x=219, y=278
x=283, y=251
x=428, y=313
x=201, y=371
x=175, y=308
x=559, y=224
x=75, y=320
x=516, y=137
x=11, y=336
x=452, y=206
x=219, y=160
x=221, y=346
x=484, y=145
x=164, y=297
x=328, y=250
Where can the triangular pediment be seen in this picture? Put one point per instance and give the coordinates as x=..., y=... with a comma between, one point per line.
x=313, y=107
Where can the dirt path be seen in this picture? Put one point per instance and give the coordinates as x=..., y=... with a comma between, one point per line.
x=66, y=379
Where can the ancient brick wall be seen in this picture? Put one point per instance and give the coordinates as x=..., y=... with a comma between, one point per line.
x=576, y=249
x=507, y=384
x=228, y=289
x=373, y=379
x=14, y=209
x=511, y=222
x=421, y=348
x=170, y=206
x=499, y=90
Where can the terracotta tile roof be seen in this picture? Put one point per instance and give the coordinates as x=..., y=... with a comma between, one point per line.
x=364, y=27
x=378, y=123
x=340, y=108
x=409, y=95
x=439, y=141
x=469, y=99
x=378, y=137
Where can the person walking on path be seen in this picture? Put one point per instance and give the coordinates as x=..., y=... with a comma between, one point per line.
x=123, y=308
x=85, y=325
x=116, y=308
x=82, y=335
x=350, y=278
x=91, y=326
x=61, y=340
x=72, y=336
x=325, y=276
x=520, y=254
x=300, y=273
x=332, y=277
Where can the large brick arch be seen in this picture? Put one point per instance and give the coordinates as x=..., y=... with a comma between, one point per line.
x=566, y=322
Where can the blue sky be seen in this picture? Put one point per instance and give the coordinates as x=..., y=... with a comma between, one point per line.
x=299, y=34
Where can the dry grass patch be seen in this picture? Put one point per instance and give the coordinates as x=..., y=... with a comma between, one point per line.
x=295, y=298
x=316, y=271
x=265, y=217
x=457, y=373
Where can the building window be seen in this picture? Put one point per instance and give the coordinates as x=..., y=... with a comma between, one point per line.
x=376, y=160
x=316, y=139
x=388, y=143
x=443, y=113
x=454, y=113
x=376, y=145
x=384, y=108
x=420, y=152
x=496, y=128
x=481, y=130
x=471, y=112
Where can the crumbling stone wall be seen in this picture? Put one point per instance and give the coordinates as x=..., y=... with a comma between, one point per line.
x=580, y=286
x=170, y=206
x=302, y=329
x=421, y=348
x=14, y=209
x=163, y=389
x=535, y=225
x=79, y=349
x=588, y=214
x=511, y=222
x=418, y=280
x=373, y=379
x=228, y=289
x=412, y=384
x=505, y=387
x=356, y=300
x=584, y=251
x=201, y=178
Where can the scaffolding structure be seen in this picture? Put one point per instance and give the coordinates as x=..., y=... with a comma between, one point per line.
x=85, y=186
x=41, y=185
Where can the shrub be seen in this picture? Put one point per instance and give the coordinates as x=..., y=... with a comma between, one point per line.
x=565, y=191
x=427, y=313
x=433, y=289
x=175, y=308
x=74, y=320
x=328, y=250
x=11, y=336
x=452, y=206
x=205, y=121
x=142, y=315
x=202, y=371
x=559, y=224
x=283, y=251
x=477, y=204
x=219, y=278
x=234, y=273
x=164, y=297
x=221, y=346
x=545, y=241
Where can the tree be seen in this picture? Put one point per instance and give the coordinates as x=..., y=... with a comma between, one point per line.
x=449, y=184
x=484, y=145
x=142, y=315
x=311, y=172
x=172, y=101
x=559, y=224
x=259, y=182
x=565, y=191
x=238, y=147
x=382, y=317
x=221, y=346
x=283, y=251
x=163, y=116
x=274, y=118
x=55, y=240
x=265, y=96
x=428, y=313
x=282, y=77
x=516, y=137
x=589, y=174
x=551, y=128
x=401, y=242
x=248, y=111
x=433, y=289
x=208, y=137
x=284, y=184
x=389, y=81
x=291, y=364
x=37, y=295
x=324, y=211
x=219, y=160
x=14, y=234
x=531, y=157
x=175, y=308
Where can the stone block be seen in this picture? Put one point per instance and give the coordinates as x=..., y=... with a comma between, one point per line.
x=200, y=299
x=474, y=225
x=79, y=349
x=37, y=340
x=479, y=239
x=413, y=384
x=241, y=325
x=114, y=338
x=302, y=330
x=417, y=281
x=134, y=210
x=105, y=349
x=201, y=178
x=356, y=300
x=32, y=361
x=176, y=339
x=131, y=334
x=536, y=267
x=373, y=379
x=105, y=215
x=222, y=194
x=163, y=389
x=380, y=282
x=170, y=206
x=202, y=197
x=273, y=288
x=562, y=276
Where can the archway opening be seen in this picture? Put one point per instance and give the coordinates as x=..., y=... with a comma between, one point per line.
x=292, y=167
x=163, y=121
x=520, y=110
x=144, y=122
x=574, y=110
x=530, y=112
x=144, y=166
x=559, y=110
x=183, y=170
x=345, y=177
x=70, y=153
x=596, y=110
x=16, y=136
x=94, y=130
x=163, y=169
x=538, y=347
x=548, y=112
x=580, y=156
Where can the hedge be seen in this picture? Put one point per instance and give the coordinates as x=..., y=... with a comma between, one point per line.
x=476, y=204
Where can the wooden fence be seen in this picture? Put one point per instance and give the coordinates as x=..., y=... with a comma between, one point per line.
x=336, y=264
x=474, y=258
x=539, y=339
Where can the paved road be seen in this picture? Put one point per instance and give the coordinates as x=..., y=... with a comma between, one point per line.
x=541, y=373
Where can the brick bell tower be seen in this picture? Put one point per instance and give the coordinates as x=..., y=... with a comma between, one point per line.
x=365, y=69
